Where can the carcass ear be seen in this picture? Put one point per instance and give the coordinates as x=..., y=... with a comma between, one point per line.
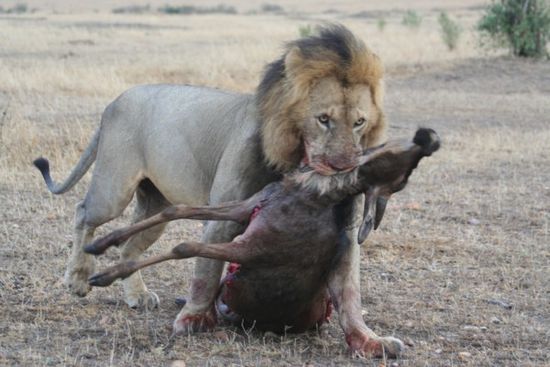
x=373, y=212
x=368, y=216
x=381, y=203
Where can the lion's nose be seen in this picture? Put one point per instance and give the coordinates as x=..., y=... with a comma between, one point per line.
x=341, y=163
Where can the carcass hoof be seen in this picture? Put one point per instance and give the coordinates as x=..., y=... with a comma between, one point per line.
x=103, y=279
x=186, y=323
x=364, y=346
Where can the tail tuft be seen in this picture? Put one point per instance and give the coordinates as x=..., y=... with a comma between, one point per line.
x=428, y=140
x=44, y=166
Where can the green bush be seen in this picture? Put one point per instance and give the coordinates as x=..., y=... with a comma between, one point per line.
x=523, y=26
x=381, y=24
x=272, y=8
x=132, y=9
x=16, y=9
x=450, y=30
x=411, y=19
x=305, y=31
x=190, y=9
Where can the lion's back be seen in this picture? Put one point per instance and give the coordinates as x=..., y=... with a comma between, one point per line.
x=179, y=134
x=158, y=102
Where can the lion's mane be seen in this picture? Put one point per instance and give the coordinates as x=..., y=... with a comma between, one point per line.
x=282, y=96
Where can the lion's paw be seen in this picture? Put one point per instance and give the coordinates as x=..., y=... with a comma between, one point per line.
x=187, y=322
x=139, y=300
x=76, y=279
x=393, y=347
x=366, y=346
x=136, y=294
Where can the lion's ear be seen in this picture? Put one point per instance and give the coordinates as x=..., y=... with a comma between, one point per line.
x=293, y=59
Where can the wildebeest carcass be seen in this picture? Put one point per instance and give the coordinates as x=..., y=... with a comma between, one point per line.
x=277, y=279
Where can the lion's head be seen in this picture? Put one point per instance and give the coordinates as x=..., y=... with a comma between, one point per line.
x=321, y=103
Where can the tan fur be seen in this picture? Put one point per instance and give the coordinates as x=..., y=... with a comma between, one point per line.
x=284, y=105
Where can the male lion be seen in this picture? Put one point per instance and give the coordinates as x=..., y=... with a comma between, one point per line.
x=320, y=103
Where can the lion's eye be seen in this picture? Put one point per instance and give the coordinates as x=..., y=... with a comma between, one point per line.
x=324, y=119
x=360, y=122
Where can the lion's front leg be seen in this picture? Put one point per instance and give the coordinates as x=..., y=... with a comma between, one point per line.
x=344, y=286
x=199, y=314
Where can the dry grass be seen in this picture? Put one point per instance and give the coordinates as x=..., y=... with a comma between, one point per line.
x=472, y=226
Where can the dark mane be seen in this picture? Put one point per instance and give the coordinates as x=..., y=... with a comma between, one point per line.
x=334, y=38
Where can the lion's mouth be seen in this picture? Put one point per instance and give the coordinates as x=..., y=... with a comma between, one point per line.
x=321, y=168
x=319, y=165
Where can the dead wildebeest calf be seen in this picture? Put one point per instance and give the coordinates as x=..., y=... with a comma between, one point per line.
x=277, y=279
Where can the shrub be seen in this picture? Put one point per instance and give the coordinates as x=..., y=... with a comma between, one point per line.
x=184, y=9
x=272, y=8
x=16, y=9
x=381, y=24
x=523, y=26
x=190, y=9
x=132, y=9
x=450, y=30
x=305, y=30
x=411, y=19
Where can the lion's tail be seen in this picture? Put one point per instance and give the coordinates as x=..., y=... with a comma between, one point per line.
x=76, y=174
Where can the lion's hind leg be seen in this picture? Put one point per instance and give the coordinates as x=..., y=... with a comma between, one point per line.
x=105, y=200
x=149, y=201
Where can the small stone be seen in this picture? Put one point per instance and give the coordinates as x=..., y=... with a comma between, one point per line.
x=221, y=335
x=178, y=363
x=473, y=221
x=464, y=355
x=495, y=320
x=438, y=351
x=413, y=206
x=471, y=328
x=394, y=364
x=525, y=284
x=500, y=303
x=159, y=351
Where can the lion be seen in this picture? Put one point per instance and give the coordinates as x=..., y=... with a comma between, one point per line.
x=319, y=104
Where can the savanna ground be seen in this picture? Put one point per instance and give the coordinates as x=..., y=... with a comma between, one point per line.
x=459, y=268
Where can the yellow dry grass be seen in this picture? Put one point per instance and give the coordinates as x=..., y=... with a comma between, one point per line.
x=471, y=228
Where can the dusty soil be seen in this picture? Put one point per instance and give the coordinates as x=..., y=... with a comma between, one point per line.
x=459, y=268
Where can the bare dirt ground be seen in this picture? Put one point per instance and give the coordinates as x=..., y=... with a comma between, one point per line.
x=460, y=268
